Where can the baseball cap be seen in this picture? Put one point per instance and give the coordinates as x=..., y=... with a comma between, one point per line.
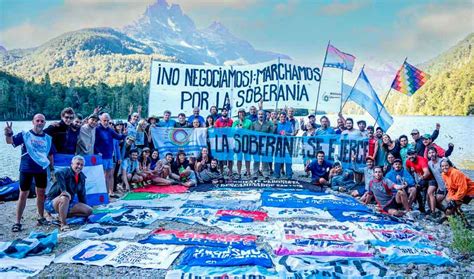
x=397, y=161
x=361, y=121
x=132, y=138
x=426, y=136
x=415, y=131
x=311, y=116
x=411, y=151
x=241, y=110
x=94, y=116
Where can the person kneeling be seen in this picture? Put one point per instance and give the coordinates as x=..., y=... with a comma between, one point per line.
x=210, y=174
x=460, y=190
x=381, y=189
x=61, y=197
x=131, y=171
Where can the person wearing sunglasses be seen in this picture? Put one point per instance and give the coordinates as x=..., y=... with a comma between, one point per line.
x=37, y=152
x=58, y=131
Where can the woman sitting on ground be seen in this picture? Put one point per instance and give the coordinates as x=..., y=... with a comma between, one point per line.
x=210, y=174
x=203, y=159
x=182, y=172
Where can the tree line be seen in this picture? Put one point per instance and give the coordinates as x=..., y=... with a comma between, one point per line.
x=20, y=99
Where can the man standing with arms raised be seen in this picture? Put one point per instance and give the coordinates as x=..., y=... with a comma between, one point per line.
x=36, y=155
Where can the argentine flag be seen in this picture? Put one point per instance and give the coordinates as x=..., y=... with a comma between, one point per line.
x=96, y=190
x=365, y=96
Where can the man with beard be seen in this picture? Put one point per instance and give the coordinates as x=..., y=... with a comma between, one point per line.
x=213, y=113
x=418, y=166
x=86, y=139
x=284, y=128
x=319, y=169
x=399, y=175
x=264, y=126
x=325, y=129
x=58, y=131
x=367, y=172
x=350, y=131
x=72, y=135
x=210, y=174
x=61, y=198
x=37, y=152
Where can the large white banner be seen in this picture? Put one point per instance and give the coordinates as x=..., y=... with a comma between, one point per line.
x=181, y=87
x=94, y=252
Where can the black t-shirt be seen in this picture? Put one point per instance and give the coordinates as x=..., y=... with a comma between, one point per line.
x=177, y=165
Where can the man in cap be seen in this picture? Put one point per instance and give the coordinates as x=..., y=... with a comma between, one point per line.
x=398, y=175
x=86, y=139
x=419, y=146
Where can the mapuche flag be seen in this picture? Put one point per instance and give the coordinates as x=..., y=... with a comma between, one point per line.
x=409, y=79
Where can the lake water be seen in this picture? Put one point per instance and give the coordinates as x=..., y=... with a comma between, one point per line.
x=458, y=130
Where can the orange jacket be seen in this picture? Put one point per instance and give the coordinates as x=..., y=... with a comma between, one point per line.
x=458, y=184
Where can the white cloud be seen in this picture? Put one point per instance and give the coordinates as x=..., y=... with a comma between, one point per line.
x=337, y=8
x=72, y=15
x=287, y=8
x=189, y=5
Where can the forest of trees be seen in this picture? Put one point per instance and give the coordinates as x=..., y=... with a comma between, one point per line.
x=20, y=99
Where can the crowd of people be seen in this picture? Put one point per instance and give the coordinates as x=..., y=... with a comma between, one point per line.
x=398, y=175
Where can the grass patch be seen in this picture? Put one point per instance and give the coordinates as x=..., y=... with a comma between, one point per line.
x=463, y=239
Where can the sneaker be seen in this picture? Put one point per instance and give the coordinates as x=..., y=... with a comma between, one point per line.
x=409, y=216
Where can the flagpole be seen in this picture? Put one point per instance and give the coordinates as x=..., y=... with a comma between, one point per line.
x=321, y=80
x=386, y=97
x=352, y=89
x=342, y=89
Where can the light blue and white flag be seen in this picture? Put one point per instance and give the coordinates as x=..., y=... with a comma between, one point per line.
x=96, y=190
x=365, y=96
x=189, y=140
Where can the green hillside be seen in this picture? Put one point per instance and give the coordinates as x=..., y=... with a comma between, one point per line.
x=450, y=88
x=87, y=56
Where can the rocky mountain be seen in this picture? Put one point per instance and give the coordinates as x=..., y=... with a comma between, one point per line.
x=110, y=55
x=172, y=33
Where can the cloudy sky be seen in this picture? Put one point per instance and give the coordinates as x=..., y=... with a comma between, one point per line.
x=384, y=30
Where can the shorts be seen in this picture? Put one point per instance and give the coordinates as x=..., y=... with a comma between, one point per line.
x=393, y=205
x=48, y=206
x=441, y=192
x=108, y=164
x=26, y=179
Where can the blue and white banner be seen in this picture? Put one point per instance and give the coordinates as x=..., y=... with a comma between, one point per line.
x=303, y=199
x=227, y=142
x=96, y=190
x=237, y=272
x=173, y=140
x=229, y=256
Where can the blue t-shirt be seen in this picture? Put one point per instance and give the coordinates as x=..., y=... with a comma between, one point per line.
x=104, y=141
x=130, y=166
x=286, y=127
x=199, y=118
x=27, y=164
x=166, y=124
x=404, y=175
x=318, y=171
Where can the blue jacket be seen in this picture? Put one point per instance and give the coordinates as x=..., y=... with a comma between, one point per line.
x=404, y=174
x=104, y=141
